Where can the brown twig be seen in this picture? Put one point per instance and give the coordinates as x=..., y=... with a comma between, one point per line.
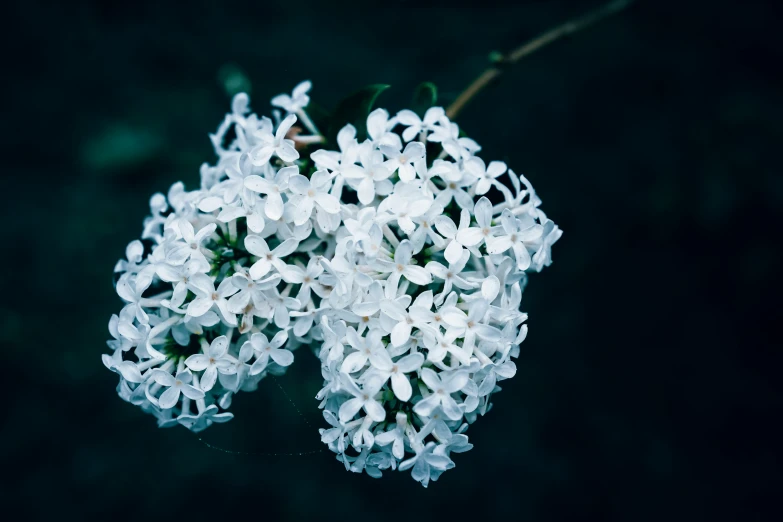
x=532, y=46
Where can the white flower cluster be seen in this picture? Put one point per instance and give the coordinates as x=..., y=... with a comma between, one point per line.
x=387, y=255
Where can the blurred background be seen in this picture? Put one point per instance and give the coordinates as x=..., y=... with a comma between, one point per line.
x=649, y=386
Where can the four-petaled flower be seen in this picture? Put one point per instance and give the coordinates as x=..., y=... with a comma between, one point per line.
x=402, y=266
x=364, y=398
x=192, y=246
x=265, y=349
x=216, y=359
x=442, y=387
x=518, y=237
x=276, y=144
x=402, y=162
x=311, y=192
x=207, y=297
x=296, y=101
x=416, y=125
x=176, y=384
x=486, y=174
x=426, y=464
x=273, y=188
x=269, y=258
x=396, y=370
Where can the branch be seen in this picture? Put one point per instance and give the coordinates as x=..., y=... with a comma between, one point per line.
x=532, y=46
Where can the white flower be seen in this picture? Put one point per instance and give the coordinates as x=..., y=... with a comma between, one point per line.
x=367, y=348
x=268, y=258
x=447, y=229
x=440, y=344
x=332, y=347
x=204, y=419
x=549, y=235
x=517, y=237
x=456, y=182
x=280, y=306
x=133, y=253
x=402, y=162
x=276, y=144
x=426, y=229
x=298, y=99
x=234, y=379
x=179, y=384
x=470, y=325
x=127, y=369
x=486, y=174
x=401, y=321
x=426, y=174
x=180, y=275
x=416, y=125
x=362, y=399
x=447, y=134
x=215, y=360
x=474, y=236
x=273, y=189
x=371, y=178
x=442, y=388
x=336, y=162
x=251, y=290
x=372, y=242
x=403, y=209
x=402, y=266
x=457, y=443
x=240, y=105
x=347, y=273
x=207, y=297
x=265, y=349
x=311, y=192
x=131, y=290
x=119, y=342
x=191, y=246
x=395, y=436
x=231, y=187
x=451, y=275
x=396, y=370
x=337, y=433
x=425, y=462
x=193, y=325
x=378, y=127
x=307, y=279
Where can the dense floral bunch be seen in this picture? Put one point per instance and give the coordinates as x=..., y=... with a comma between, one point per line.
x=400, y=257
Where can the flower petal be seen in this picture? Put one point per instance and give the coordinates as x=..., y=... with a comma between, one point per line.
x=199, y=306
x=169, y=398
x=328, y=202
x=282, y=357
x=401, y=387
x=374, y=410
x=197, y=362
x=451, y=408
x=208, y=379
x=417, y=275
x=401, y=333
x=349, y=409
x=191, y=392
x=430, y=378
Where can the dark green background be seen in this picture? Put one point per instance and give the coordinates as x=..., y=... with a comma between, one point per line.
x=649, y=387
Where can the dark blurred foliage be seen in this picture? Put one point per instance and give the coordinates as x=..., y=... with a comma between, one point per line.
x=649, y=387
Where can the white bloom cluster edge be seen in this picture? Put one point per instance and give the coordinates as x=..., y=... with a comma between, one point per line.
x=386, y=256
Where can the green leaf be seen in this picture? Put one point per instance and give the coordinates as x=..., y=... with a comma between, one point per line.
x=424, y=97
x=354, y=110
